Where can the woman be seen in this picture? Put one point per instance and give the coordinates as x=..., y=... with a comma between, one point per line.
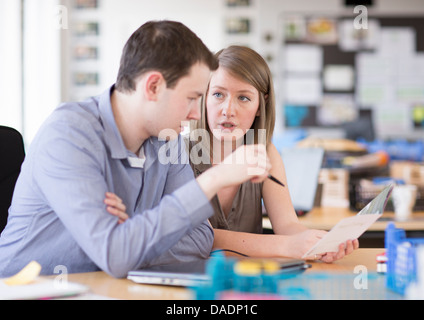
x=239, y=108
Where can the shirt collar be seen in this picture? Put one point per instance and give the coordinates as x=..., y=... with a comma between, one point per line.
x=113, y=136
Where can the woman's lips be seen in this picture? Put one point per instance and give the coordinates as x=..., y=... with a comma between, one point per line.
x=227, y=126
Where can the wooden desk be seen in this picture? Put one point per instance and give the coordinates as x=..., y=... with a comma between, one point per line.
x=104, y=285
x=325, y=218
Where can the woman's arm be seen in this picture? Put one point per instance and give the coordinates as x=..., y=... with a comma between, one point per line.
x=267, y=246
x=282, y=215
x=255, y=245
x=277, y=199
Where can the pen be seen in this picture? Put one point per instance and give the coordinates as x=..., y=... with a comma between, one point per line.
x=276, y=180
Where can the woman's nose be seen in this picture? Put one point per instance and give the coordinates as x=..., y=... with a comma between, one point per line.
x=228, y=109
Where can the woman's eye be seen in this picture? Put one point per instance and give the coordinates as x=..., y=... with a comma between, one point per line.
x=244, y=98
x=217, y=95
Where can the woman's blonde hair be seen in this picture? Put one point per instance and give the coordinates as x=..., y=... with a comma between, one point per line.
x=247, y=65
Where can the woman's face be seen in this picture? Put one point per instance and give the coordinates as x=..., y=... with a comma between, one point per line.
x=231, y=106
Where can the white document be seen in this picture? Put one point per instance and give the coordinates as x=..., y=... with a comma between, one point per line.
x=338, y=77
x=347, y=229
x=397, y=41
x=352, y=39
x=353, y=227
x=41, y=289
x=303, y=89
x=303, y=58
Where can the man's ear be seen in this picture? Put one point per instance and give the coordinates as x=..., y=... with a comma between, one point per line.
x=153, y=84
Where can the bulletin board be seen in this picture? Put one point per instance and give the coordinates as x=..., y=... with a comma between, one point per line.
x=369, y=80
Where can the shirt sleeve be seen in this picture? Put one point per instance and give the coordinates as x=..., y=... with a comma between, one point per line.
x=198, y=243
x=70, y=173
x=195, y=245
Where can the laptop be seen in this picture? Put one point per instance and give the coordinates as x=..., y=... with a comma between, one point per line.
x=302, y=166
x=188, y=274
x=184, y=274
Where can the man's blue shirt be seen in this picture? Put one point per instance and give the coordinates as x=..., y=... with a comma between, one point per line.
x=58, y=216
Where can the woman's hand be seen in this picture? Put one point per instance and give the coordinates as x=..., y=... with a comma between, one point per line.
x=301, y=242
x=116, y=207
x=344, y=249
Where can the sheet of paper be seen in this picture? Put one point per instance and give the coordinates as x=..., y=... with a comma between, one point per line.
x=303, y=90
x=303, y=58
x=337, y=109
x=397, y=41
x=392, y=119
x=353, y=39
x=375, y=79
x=338, y=77
x=41, y=289
x=347, y=229
x=353, y=227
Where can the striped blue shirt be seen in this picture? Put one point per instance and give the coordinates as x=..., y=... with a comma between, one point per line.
x=58, y=217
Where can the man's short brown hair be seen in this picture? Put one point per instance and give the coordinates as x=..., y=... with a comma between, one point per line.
x=165, y=46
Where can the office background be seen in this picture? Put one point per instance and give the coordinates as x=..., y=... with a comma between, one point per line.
x=54, y=51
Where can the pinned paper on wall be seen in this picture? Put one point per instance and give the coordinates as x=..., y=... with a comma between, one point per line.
x=379, y=67
x=303, y=90
x=322, y=30
x=303, y=58
x=411, y=66
x=295, y=28
x=337, y=109
x=392, y=120
x=338, y=77
x=372, y=64
x=354, y=39
x=410, y=90
x=375, y=79
x=410, y=79
x=397, y=41
x=386, y=78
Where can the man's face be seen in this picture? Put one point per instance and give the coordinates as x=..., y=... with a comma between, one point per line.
x=181, y=104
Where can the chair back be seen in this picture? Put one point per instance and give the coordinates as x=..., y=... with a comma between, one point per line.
x=12, y=154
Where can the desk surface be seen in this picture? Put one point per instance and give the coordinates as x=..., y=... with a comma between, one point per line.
x=325, y=218
x=104, y=285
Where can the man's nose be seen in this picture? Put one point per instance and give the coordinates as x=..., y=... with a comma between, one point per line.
x=194, y=113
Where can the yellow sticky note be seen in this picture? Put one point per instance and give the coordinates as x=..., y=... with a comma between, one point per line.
x=25, y=276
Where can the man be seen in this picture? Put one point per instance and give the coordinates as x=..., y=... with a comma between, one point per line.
x=110, y=144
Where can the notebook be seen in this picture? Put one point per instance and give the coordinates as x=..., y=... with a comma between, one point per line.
x=193, y=273
x=353, y=227
x=302, y=166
